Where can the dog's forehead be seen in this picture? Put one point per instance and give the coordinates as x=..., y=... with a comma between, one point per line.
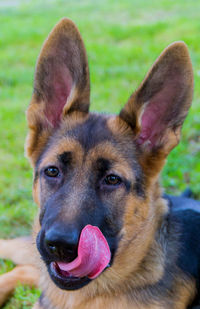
x=91, y=131
x=94, y=136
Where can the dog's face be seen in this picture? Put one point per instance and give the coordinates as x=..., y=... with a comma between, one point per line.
x=100, y=170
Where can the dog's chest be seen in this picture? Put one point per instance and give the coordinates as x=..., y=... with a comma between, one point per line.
x=59, y=299
x=117, y=302
x=112, y=303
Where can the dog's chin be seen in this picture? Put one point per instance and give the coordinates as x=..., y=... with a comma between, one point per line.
x=64, y=280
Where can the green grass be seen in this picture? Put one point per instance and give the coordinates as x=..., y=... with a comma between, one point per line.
x=23, y=298
x=122, y=38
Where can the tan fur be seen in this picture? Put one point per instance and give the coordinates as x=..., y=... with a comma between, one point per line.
x=27, y=275
x=20, y=251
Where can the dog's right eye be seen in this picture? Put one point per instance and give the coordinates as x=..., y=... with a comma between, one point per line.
x=51, y=171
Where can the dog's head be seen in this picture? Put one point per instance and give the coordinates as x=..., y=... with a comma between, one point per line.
x=95, y=169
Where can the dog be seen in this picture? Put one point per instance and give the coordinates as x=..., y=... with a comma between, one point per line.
x=106, y=236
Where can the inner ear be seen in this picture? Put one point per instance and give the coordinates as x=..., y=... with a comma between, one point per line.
x=53, y=85
x=161, y=111
x=159, y=106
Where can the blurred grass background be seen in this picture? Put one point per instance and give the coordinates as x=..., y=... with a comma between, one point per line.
x=122, y=38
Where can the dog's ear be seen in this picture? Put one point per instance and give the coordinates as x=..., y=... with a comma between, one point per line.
x=157, y=109
x=61, y=83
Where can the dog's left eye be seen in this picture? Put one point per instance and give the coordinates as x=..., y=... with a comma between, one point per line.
x=51, y=171
x=112, y=180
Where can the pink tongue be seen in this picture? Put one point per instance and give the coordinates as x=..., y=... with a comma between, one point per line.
x=93, y=254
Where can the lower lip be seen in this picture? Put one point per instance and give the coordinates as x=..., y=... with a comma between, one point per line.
x=62, y=274
x=64, y=280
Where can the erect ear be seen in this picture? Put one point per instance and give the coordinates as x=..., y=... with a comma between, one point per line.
x=61, y=83
x=157, y=109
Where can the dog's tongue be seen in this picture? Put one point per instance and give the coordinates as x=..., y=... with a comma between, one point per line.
x=93, y=255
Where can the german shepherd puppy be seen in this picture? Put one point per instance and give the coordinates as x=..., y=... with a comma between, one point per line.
x=106, y=237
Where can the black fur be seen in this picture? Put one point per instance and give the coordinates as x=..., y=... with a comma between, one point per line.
x=185, y=212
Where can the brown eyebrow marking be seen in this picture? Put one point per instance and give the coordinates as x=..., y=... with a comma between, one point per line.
x=128, y=170
x=109, y=152
x=103, y=164
x=65, y=157
x=65, y=145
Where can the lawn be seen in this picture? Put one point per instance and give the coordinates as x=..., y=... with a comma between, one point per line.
x=122, y=38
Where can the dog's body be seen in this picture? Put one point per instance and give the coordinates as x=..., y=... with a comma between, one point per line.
x=103, y=171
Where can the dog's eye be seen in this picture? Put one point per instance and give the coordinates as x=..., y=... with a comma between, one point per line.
x=51, y=171
x=112, y=180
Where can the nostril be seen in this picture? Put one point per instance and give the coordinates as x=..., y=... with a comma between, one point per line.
x=51, y=247
x=61, y=245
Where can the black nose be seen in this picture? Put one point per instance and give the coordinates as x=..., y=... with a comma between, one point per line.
x=62, y=244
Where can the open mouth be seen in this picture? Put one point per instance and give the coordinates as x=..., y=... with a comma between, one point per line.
x=93, y=258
